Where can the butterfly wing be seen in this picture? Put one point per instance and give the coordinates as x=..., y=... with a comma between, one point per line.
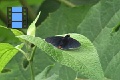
x=54, y=40
x=72, y=43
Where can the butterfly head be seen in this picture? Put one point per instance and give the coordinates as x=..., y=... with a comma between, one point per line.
x=67, y=36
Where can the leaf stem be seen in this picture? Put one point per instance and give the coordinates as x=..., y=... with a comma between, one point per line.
x=68, y=3
x=32, y=54
x=22, y=52
x=31, y=63
x=30, y=51
x=31, y=69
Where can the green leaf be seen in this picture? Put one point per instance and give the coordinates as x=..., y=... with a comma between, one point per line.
x=64, y=20
x=114, y=67
x=98, y=17
x=18, y=72
x=98, y=25
x=43, y=75
x=8, y=35
x=32, y=28
x=17, y=32
x=7, y=52
x=64, y=72
x=108, y=47
x=84, y=60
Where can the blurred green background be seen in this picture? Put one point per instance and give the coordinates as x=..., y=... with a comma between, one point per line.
x=98, y=20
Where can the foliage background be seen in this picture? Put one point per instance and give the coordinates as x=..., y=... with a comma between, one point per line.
x=98, y=20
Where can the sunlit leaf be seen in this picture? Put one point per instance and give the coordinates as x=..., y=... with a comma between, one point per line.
x=84, y=60
x=32, y=28
x=7, y=52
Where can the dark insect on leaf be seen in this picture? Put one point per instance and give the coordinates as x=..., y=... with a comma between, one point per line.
x=63, y=42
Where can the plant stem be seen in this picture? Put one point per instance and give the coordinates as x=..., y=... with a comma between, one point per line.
x=31, y=63
x=68, y=3
x=32, y=54
x=22, y=52
x=31, y=69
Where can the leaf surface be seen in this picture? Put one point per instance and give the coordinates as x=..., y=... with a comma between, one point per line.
x=84, y=60
x=7, y=52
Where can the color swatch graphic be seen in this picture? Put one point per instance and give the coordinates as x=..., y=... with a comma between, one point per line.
x=17, y=17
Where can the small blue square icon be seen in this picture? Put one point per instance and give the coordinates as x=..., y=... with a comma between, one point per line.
x=16, y=16
x=16, y=24
x=16, y=9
